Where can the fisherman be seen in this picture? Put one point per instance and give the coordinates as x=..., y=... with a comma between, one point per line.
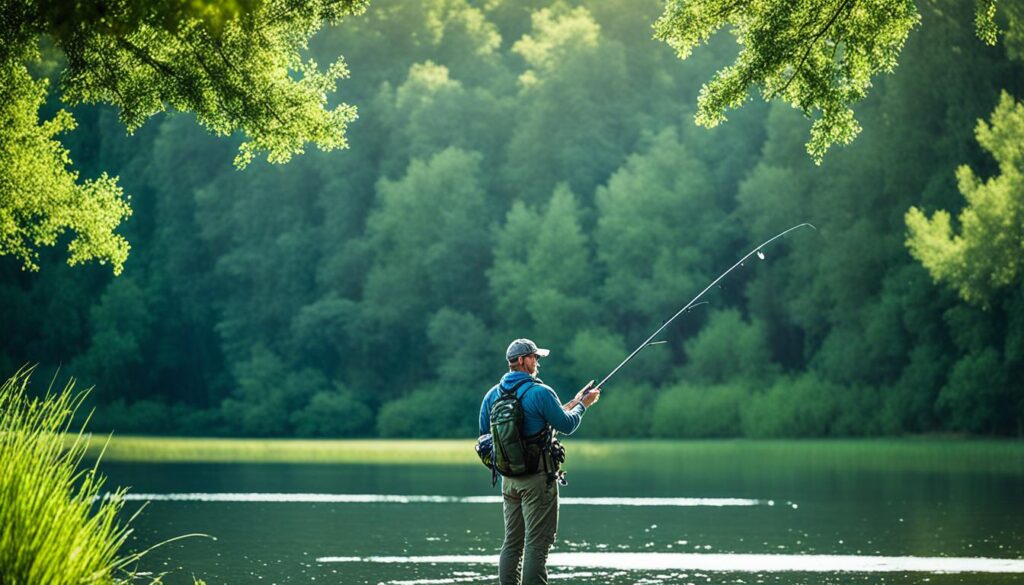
x=531, y=499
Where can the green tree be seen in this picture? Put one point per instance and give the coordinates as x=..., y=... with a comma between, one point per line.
x=658, y=225
x=985, y=256
x=594, y=352
x=121, y=325
x=386, y=280
x=237, y=65
x=729, y=348
x=424, y=108
x=543, y=271
x=272, y=400
x=979, y=397
x=462, y=351
x=430, y=412
x=430, y=247
x=460, y=347
x=820, y=57
x=266, y=263
x=574, y=114
x=337, y=412
x=40, y=198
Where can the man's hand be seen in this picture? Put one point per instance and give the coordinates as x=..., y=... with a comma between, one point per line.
x=586, y=395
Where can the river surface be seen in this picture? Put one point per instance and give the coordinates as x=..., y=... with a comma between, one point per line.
x=631, y=517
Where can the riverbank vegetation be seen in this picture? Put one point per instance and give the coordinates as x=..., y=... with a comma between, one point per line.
x=52, y=528
x=526, y=169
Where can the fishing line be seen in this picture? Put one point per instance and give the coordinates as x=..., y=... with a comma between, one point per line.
x=756, y=251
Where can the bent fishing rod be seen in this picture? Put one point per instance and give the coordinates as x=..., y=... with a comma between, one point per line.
x=694, y=302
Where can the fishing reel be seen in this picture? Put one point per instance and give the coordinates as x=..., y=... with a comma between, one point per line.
x=560, y=477
x=557, y=451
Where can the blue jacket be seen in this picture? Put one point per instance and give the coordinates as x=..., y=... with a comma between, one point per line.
x=540, y=406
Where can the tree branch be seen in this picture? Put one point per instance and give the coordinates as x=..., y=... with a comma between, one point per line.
x=810, y=46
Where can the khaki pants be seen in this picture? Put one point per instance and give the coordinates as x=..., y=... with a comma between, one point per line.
x=531, y=519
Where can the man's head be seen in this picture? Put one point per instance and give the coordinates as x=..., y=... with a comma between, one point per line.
x=523, y=355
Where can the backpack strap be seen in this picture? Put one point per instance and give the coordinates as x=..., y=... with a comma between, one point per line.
x=529, y=387
x=546, y=429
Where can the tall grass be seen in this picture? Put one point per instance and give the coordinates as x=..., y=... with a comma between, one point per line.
x=54, y=530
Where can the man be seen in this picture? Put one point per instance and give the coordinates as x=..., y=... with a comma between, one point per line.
x=531, y=501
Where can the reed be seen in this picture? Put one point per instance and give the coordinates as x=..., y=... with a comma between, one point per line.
x=53, y=527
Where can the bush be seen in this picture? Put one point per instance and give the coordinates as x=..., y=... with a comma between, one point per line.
x=728, y=348
x=699, y=412
x=908, y=405
x=143, y=417
x=432, y=411
x=623, y=412
x=805, y=406
x=334, y=413
x=197, y=422
x=977, y=397
x=593, y=352
x=268, y=393
x=153, y=417
x=860, y=411
x=53, y=529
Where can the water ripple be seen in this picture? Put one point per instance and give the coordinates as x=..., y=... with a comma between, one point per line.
x=729, y=562
x=427, y=499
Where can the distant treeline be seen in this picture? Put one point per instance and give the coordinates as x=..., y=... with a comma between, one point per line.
x=528, y=171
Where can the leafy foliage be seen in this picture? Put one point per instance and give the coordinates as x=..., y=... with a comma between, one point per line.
x=977, y=395
x=985, y=256
x=801, y=407
x=727, y=348
x=40, y=198
x=820, y=57
x=688, y=411
x=237, y=65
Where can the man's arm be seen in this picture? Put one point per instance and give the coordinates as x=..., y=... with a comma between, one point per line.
x=563, y=420
x=485, y=415
x=579, y=397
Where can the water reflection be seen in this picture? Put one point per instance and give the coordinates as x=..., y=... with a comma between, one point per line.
x=427, y=499
x=273, y=521
x=750, y=563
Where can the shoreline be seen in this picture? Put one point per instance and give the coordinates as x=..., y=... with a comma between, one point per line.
x=913, y=454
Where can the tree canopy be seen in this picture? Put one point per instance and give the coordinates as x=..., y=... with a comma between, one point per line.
x=985, y=256
x=238, y=66
x=820, y=56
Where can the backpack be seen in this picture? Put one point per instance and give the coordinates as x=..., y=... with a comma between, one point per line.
x=513, y=454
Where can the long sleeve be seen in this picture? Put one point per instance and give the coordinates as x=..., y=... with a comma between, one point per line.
x=485, y=415
x=563, y=421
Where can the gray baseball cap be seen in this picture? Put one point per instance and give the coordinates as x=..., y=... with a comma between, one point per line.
x=521, y=347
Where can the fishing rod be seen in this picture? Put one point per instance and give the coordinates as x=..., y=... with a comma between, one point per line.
x=694, y=303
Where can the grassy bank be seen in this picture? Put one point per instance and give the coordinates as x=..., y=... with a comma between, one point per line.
x=955, y=455
x=52, y=529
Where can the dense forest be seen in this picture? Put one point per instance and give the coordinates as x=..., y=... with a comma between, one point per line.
x=519, y=169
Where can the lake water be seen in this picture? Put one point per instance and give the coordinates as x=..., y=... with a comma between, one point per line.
x=639, y=515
